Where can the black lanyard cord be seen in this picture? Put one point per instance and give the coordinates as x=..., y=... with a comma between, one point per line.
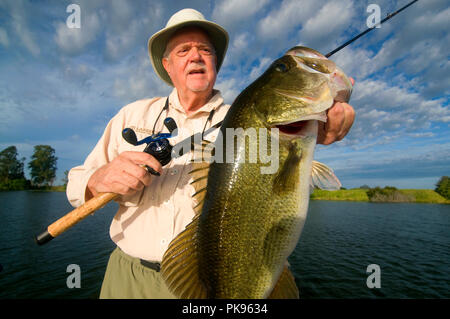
x=209, y=119
x=166, y=107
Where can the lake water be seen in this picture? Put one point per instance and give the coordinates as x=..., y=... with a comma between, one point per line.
x=409, y=242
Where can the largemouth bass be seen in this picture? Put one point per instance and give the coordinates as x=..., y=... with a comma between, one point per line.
x=247, y=222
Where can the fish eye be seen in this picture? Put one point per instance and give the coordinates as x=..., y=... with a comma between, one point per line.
x=321, y=66
x=313, y=65
x=281, y=67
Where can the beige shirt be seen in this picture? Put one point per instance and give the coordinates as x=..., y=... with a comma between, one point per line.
x=148, y=220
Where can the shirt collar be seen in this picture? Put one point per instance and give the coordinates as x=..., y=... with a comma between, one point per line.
x=215, y=101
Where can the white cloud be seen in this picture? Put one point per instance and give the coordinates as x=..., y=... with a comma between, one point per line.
x=258, y=70
x=364, y=67
x=231, y=13
x=385, y=110
x=290, y=14
x=129, y=27
x=324, y=28
x=133, y=78
x=73, y=41
x=118, y=43
x=4, y=40
x=228, y=89
x=19, y=23
x=393, y=163
x=240, y=42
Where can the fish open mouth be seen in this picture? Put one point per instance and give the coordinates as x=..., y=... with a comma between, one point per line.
x=293, y=128
x=299, y=126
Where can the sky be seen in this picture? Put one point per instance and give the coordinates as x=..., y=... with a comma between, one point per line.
x=60, y=86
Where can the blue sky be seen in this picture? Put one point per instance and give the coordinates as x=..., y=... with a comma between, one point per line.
x=60, y=86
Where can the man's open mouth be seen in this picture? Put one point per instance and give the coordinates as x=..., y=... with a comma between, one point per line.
x=201, y=71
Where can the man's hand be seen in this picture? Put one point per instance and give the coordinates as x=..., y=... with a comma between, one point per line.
x=340, y=119
x=124, y=175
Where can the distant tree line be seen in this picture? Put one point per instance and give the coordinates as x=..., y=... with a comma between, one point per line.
x=42, y=168
x=443, y=187
x=388, y=194
x=392, y=194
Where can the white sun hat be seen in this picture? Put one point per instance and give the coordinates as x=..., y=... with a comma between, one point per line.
x=183, y=18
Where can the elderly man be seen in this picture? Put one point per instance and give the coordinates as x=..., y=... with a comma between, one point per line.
x=186, y=54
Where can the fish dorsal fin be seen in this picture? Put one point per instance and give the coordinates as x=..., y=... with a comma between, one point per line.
x=323, y=177
x=200, y=168
x=180, y=266
x=285, y=288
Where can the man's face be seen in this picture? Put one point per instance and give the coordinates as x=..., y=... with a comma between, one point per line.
x=191, y=63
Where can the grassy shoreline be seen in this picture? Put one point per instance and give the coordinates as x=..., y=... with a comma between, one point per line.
x=351, y=195
x=360, y=195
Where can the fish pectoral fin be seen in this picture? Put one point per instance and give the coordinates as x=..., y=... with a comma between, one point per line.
x=180, y=267
x=285, y=288
x=323, y=177
x=288, y=175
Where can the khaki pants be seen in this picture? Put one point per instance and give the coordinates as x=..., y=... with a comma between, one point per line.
x=127, y=278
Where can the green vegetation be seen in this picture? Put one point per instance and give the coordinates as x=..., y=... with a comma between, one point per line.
x=377, y=194
x=356, y=194
x=43, y=166
x=42, y=170
x=426, y=196
x=388, y=194
x=443, y=187
x=11, y=170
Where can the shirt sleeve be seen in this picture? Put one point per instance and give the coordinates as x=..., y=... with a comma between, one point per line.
x=104, y=152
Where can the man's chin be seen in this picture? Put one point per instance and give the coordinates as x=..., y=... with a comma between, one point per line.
x=198, y=87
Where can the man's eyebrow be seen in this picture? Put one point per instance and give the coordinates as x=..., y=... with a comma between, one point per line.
x=200, y=45
x=183, y=46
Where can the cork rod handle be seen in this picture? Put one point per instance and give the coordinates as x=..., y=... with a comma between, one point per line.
x=75, y=216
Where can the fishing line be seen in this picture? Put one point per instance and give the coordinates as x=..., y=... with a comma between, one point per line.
x=389, y=16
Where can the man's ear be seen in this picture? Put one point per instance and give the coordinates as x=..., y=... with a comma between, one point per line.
x=165, y=62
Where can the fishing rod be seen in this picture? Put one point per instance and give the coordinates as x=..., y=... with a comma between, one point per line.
x=157, y=145
x=389, y=16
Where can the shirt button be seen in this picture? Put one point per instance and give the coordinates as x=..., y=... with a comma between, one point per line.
x=173, y=171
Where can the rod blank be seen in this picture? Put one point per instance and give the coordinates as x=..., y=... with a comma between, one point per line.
x=368, y=30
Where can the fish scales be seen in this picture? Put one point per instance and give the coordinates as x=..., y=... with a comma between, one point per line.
x=234, y=214
x=249, y=222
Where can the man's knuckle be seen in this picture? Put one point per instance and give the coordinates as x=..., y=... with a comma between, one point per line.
x=126, y=190
x=338, y=110
x=135, y=184
x=141, y=173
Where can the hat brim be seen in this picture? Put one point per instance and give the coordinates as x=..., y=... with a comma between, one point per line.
x=157, y=44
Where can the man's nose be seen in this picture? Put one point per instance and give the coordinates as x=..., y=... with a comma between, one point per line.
x=195, y=55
